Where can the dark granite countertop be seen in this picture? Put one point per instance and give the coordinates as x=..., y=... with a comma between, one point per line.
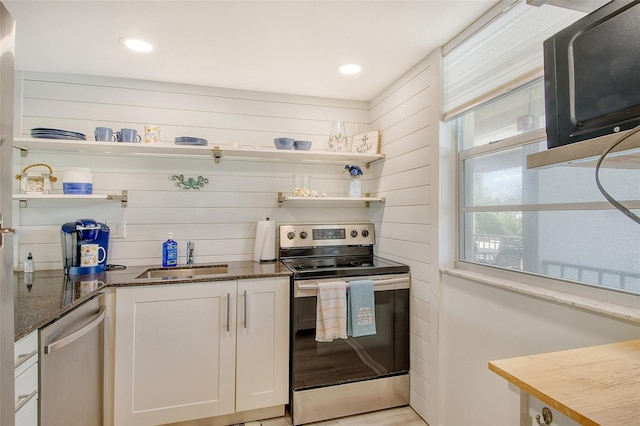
x=50, y=294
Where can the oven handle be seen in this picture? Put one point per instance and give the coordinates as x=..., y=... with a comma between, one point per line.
x=376, y=282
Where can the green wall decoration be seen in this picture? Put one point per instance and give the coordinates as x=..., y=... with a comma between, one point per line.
x=190, y=183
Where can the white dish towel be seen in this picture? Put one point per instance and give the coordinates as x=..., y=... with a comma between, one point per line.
x=331, y=311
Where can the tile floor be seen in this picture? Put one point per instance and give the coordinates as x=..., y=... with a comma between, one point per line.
x=402, y=416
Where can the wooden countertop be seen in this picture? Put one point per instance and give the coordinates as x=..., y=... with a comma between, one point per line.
x=597, y=385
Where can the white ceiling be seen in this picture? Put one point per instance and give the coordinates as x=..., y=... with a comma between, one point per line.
x=290, y=47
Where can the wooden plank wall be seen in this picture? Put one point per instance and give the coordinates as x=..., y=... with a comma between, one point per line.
x=221, y=217
x=408, y=115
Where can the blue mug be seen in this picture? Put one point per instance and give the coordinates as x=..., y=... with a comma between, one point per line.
x=104, y=134
x=128, y=135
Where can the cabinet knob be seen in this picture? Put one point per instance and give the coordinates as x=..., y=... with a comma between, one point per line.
x=547, y=417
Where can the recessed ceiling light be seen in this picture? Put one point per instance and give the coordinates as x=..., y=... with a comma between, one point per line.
x=137, y=45
x=350, y=69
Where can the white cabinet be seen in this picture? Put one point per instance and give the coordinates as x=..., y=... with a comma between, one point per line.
x=262, y=370
x=175, y=350
x=26, y=380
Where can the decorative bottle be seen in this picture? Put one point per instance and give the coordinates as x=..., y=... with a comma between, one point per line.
x=170, y=252
x=338, y=137
x=29, y=265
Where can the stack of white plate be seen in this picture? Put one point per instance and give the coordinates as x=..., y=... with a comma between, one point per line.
x=187, y=140
x=44, y=133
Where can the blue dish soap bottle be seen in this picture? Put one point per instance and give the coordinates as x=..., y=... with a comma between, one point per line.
x=170, y=252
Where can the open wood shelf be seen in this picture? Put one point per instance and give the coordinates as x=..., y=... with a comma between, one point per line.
x=217, y=152
x=24, y=198
x=287, y=198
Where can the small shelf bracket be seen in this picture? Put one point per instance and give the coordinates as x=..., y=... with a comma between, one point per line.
x=281, y=199
x=382, y=157
x=23, y=151
x=124, y=198
x=217, y=154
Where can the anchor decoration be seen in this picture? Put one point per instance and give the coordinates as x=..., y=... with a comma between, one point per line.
x=366, y=143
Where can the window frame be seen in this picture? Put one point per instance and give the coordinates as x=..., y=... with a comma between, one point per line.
x=551, y=282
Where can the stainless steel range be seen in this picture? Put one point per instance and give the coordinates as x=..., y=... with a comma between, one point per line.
x=358, y=374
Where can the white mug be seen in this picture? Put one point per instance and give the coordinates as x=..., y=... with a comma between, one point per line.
x=151, y=133
x=90, y=254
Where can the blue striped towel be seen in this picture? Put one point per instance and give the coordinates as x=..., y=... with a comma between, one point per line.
x=362, y=309
x=331, y=311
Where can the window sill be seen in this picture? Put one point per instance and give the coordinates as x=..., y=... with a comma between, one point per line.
x=626, y=313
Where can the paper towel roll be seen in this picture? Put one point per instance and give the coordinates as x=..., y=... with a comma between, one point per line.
x=265, y=247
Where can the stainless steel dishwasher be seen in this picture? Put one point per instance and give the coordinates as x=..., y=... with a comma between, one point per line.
x=72, y=367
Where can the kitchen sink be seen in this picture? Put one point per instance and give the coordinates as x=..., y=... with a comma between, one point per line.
x=184, y=271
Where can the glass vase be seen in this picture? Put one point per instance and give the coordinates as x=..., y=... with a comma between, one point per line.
x=355, y=187
x=301, y=185
x=338, y=137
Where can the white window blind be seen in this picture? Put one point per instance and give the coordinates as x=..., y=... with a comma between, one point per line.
x=503, y=51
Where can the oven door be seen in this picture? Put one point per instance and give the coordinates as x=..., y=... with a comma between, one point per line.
x=317, y=364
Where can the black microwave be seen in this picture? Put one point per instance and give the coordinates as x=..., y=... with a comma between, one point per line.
x=591, y=75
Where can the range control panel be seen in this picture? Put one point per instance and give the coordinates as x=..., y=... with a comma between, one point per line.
x=327, y=235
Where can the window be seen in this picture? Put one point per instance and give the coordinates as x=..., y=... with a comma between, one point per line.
x=552, y=222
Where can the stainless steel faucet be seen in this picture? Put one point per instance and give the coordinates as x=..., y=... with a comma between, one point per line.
x=191, y=246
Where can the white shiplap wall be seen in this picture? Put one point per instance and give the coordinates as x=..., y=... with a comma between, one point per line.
x=221, y=217
x=408, y=115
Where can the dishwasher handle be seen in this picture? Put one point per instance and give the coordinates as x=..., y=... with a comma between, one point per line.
x=59, y=344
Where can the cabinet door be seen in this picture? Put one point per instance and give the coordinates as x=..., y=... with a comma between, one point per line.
x=26, y=391
x=26, y=380
x=28, y=414
x=175, y=352
x=262, y=376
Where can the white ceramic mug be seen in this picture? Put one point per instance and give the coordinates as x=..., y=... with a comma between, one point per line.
x=90, y=254
x=151, y=133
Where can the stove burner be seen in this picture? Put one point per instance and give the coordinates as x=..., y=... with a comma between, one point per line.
x=331, y=262
x=309, y=266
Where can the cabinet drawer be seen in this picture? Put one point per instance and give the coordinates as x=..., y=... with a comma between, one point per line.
x=25, y=353
x=25, y=385
x=558, y=419
x=28, y=414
